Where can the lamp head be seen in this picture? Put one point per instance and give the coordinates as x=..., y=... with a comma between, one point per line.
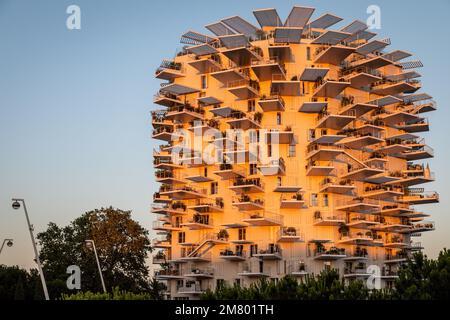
x=16, y=205
x=9, y=243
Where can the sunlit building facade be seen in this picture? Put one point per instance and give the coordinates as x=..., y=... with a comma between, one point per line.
x=287, y=148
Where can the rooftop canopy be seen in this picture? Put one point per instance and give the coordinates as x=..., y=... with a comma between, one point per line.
x=219, y=29
x=298, y=17
x=324, y=21
x=240, y=25
x=267, y=17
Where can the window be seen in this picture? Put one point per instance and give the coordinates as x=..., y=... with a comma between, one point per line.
x=278, y=181
x=253, y=249
x=181, y=237
x=253, y=137
x=311, y=134
x=178, y=222
x=291, y=150
x=325, y=200
x=237, y=282
x=242, y=233
x=308, y=53
x=205, y=172
x=251, y=105
x=203, y=82
x=253, y=168
x=239, y=249
x=214, y=187
x=220, y=283
x=313, y=199
x=278, y=118
x=269, y=150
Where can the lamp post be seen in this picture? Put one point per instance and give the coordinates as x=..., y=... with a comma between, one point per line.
x=16, y=206
x=89, y=244
x=9, y=243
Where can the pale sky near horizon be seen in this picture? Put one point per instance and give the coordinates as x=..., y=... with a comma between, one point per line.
x=74, y=105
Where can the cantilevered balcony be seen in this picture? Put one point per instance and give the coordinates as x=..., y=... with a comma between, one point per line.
x=293, y=201
x=371, y=62
x=289, y=234
x=174, y=209
x=244, y=89
x=207, y=273
x=207, y=64
x=416, y=125
x=326, y=219
x=161, y=243
x=241, y=120
x=271, y=103
x=230, y=255
x=362, y=77
x=165, y=225
x=285, y=136
x=254, y=270
x=194, y=289
x=333, y=54
x=184, y=113
x=185, y=193
x=272, y=252
x=395, y=87
x=382, y=192
x=320, y=168
x=160, y=257
x=229, y=171
x=333, y=121
x=245, y=203
x=166, y=99
x=200, y=127
x=392, y=227
x=168, y=274
x=330, y=88
x=288, y=185
x=361, y=138
x=264, y=69
x=168, y=177
x=325, y=139
x=273, y=167
x=209, y=100
x=297, y=269
x=396, y=210
x=356, y=109
x=422, y=226
x=313, y=74
x=241, y=186
x=318, y=152
x=394, y=118
x=203, y=206
x=165, y=133
x=362, y=221
x=199, y=222
x=285, y=85
x=229, y=75
x=356, y=238
x=417, y=151
x=169, y=70
x=358, y=254
x=358, y=205
x=264, y=218
x=337, y=186
x=197, y=176
x=395, y=241
x=419, y=196
x=333, y=253
x=396, y=258
x=361, y=173
x=243, y=56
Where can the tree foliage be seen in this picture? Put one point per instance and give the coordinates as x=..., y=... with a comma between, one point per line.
x=122, y=246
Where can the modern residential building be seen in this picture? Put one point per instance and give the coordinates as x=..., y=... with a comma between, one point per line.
x=288, y=148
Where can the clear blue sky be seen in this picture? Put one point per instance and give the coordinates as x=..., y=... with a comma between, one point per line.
x=74, y=105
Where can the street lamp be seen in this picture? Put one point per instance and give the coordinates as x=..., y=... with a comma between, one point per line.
x=91, y=244
x=16, y=206
x=9, y=243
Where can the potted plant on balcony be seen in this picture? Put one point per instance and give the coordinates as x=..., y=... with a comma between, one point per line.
x=223, y=235
x=258, y=117
x=317, y=215
x=343, y=230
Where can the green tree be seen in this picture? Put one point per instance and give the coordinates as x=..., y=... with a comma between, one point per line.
x=122, y=246
x=19, y=293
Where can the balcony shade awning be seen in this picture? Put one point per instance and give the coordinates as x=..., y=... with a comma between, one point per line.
x=298, y=17
x=193, y=37
x=362, y=35
x=219, y=29
x=312, y=106
x=416, y=97
x=312, y=74
x=240, y=25
x=234, y=41
x=397, y=55
x=202, y=49
x=410, y=64
x=288, y=35
x=403, y=76
x=324, y=21
x=354, y=27
x=178, y=89
x=375, y=45
x=267, y=17
x=331, y=37
x=385, y=101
